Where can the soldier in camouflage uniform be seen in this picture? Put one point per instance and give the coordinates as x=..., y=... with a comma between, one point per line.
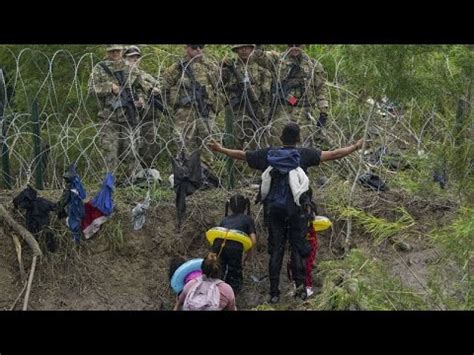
x=151, y=85
x=118, y=136
x=299, y=84
x=247, y=90
x=151, y=114
x=190, y=87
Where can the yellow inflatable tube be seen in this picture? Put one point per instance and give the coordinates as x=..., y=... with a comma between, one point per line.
x=321, y=223
x=229, y=234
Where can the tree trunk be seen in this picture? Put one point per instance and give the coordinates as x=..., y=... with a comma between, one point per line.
x=27, y=236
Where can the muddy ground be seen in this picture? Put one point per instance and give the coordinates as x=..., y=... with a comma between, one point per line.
x=123, y=269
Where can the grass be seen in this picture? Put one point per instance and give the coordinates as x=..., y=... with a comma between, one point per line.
x=379, y=228
x=113, y=231
x=458, y=238
x=359, y=282
x=457, y=241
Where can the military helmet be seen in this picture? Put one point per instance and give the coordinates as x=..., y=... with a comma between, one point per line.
x=235, y=46
x=132, y=50
x=114, y=47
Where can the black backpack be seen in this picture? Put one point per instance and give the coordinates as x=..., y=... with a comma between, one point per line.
x=282, y=161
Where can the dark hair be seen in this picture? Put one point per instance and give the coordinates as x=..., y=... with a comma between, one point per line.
x=175, y=263
x=211, y=266
x=237, y=204
x=290, y=134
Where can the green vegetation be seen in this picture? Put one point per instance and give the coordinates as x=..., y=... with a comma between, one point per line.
x=432, y=87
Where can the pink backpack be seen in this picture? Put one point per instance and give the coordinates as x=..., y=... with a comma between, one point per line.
x=204, y=295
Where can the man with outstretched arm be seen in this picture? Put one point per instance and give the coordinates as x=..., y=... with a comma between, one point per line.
x=286, y=197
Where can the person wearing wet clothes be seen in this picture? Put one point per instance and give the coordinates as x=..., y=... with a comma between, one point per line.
x=231, y=252
x=286, y=197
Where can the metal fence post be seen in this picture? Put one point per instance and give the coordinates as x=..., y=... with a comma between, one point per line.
x=229, y=142
x=5, y=176
x=37, y=159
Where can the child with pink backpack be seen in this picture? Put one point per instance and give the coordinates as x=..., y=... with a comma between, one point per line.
x=207, y=292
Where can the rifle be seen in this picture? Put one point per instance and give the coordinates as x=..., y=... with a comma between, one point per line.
x=245, y=88
x=199, y=93
x=126, y=100
x=280, y=91
x=157, y=102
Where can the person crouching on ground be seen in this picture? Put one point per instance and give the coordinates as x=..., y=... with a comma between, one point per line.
x=207, y=292
x=231, y=252
x=286, y=195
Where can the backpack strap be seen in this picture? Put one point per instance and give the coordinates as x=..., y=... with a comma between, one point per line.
x=217, y=281
x=223, y=243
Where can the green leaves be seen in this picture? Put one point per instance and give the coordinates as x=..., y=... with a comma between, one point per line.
x=458, y=238
x=379, y=228
x=359, y=282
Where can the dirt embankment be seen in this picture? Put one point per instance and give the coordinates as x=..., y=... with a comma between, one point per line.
x=123, y=269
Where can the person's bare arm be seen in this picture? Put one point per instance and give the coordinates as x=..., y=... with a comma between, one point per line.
x=341, y=152
x=253, y=237
x=232, y=153
x=180, y=300
x=176, y=305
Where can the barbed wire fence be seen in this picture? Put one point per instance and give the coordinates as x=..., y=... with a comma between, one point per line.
x=68, y=129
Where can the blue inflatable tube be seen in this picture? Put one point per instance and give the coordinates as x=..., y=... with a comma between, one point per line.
x=177, y=281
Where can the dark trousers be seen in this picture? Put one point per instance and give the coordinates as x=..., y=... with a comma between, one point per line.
x=282, y=227
x=231, y=263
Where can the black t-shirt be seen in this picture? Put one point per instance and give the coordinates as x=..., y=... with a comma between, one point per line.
x=257, y=159
x=240, y=222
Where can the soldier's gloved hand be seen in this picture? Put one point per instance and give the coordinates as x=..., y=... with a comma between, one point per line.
x=155, y=91
x=322, y=120
x=115, y=89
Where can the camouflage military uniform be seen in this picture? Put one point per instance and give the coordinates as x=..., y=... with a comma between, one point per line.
x=306, y=83
x=190, y=128
x=250, y=110
x=118, y=139
x=155, y=126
